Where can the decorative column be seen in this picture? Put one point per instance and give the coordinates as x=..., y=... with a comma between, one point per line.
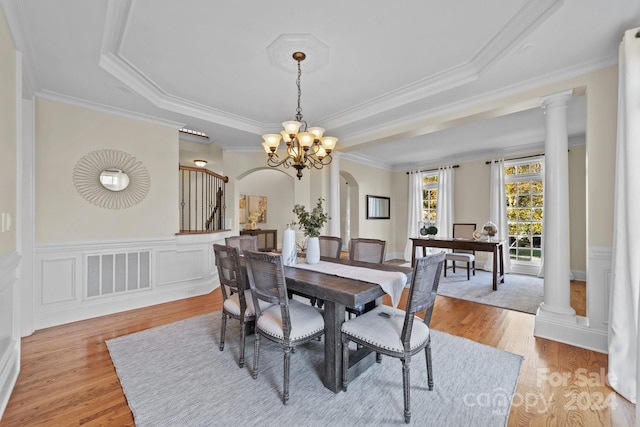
x=334, y=195
x=557, y=304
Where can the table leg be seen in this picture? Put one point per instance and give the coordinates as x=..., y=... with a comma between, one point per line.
x=413, y=253
x=501, y=251
x=334, y=315
x=495, y=268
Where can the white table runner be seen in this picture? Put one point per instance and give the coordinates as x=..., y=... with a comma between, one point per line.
x=391, y=282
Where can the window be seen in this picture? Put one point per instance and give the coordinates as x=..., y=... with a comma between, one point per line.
x=429, y=198
x=525, y=202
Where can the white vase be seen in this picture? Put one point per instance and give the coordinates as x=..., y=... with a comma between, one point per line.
x=289, y=250
x=313, y=250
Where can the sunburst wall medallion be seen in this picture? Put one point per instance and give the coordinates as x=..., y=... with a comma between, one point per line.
x=95, y=173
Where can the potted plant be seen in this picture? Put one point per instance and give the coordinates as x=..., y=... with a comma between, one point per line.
x=311, y=223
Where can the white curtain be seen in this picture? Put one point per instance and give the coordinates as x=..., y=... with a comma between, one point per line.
x=444, y=203
x=414, y=211
x=625, y=287
x=498, y=211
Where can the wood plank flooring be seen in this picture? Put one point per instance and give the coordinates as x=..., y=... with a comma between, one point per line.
x=67, y=378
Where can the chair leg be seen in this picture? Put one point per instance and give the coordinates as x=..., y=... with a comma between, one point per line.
x=243, y=335
x=406, y=384
x=445, y=268
x=474, y=267
x=345, y=362
x=468, y=271
x=427, y=351
x=453, y=266
x=256, y=355
x=223, y=328
x=287, y=362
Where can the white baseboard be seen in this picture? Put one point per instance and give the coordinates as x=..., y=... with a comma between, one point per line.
x=573, y=331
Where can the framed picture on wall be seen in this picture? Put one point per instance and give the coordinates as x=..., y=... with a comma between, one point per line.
x=242, y=208
x=258, y=208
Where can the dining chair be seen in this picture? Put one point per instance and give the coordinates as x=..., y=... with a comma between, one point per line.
x=465, y=231
x=367, y=250
x=242, y=242
x=286, y=322
x=236, y=296
x=396, y=333
x=330, y=246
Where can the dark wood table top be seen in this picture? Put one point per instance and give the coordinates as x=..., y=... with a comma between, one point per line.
x=339, y=289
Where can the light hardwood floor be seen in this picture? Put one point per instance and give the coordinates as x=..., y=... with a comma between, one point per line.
x=68, y=379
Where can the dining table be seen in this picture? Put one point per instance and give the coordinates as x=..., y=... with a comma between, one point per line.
x=495, y=247
x=337, y=293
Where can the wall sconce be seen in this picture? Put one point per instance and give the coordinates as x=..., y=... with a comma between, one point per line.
x=200, y=163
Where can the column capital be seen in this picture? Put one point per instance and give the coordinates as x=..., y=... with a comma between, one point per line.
x=557, y=99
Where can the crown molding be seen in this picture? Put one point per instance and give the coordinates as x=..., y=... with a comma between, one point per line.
x=83, y=103
x=394, y=129
x=19, y=32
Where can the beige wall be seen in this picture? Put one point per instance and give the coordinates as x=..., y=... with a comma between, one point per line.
x=64, y=134
x=577, y=207
x=376, y=182
x=8, y=134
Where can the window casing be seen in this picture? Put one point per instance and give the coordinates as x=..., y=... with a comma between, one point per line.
x=524, y=184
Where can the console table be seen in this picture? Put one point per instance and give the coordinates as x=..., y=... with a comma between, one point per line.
x=267, y=239
x=495, y=247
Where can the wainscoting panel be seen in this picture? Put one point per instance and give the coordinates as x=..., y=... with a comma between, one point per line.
x=58, y=280
x=77, y=281
x=181, y=266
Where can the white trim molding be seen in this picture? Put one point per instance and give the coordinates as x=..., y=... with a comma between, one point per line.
x=590, y=332
x=9, y=326
x=179, y=267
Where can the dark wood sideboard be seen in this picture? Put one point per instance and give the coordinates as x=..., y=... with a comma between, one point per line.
x=267, y=239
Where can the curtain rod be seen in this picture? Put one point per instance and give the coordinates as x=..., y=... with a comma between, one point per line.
x=432, y=170
x=488, y=162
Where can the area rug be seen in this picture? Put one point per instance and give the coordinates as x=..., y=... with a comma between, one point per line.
x=518, y=292
x=175, y=375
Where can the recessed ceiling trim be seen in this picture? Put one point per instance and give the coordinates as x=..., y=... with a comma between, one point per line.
x=527, y=18
x=523, y=23
x=114, y=63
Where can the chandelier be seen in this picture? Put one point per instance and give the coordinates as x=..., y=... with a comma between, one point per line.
x=306, y=147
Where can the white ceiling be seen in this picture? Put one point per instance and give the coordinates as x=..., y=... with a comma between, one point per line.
x=375, y=70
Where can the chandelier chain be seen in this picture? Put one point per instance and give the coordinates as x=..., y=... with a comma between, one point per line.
x=299, y=109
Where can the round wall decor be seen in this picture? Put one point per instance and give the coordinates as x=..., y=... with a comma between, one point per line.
x=111, y=179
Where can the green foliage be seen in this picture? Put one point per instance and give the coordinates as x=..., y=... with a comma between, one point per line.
x=432, y=230
x=311, y=222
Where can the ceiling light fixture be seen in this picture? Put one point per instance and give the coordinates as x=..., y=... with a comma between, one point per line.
x=306, y=148
x=200, y=163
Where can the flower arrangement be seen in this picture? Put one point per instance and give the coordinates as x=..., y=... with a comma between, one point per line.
x=311, y=222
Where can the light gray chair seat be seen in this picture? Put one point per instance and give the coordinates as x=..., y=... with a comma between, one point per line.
x=386, y=332
x=465, y=231
x=455, y=256
x=306, y=321
x=232, y=304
